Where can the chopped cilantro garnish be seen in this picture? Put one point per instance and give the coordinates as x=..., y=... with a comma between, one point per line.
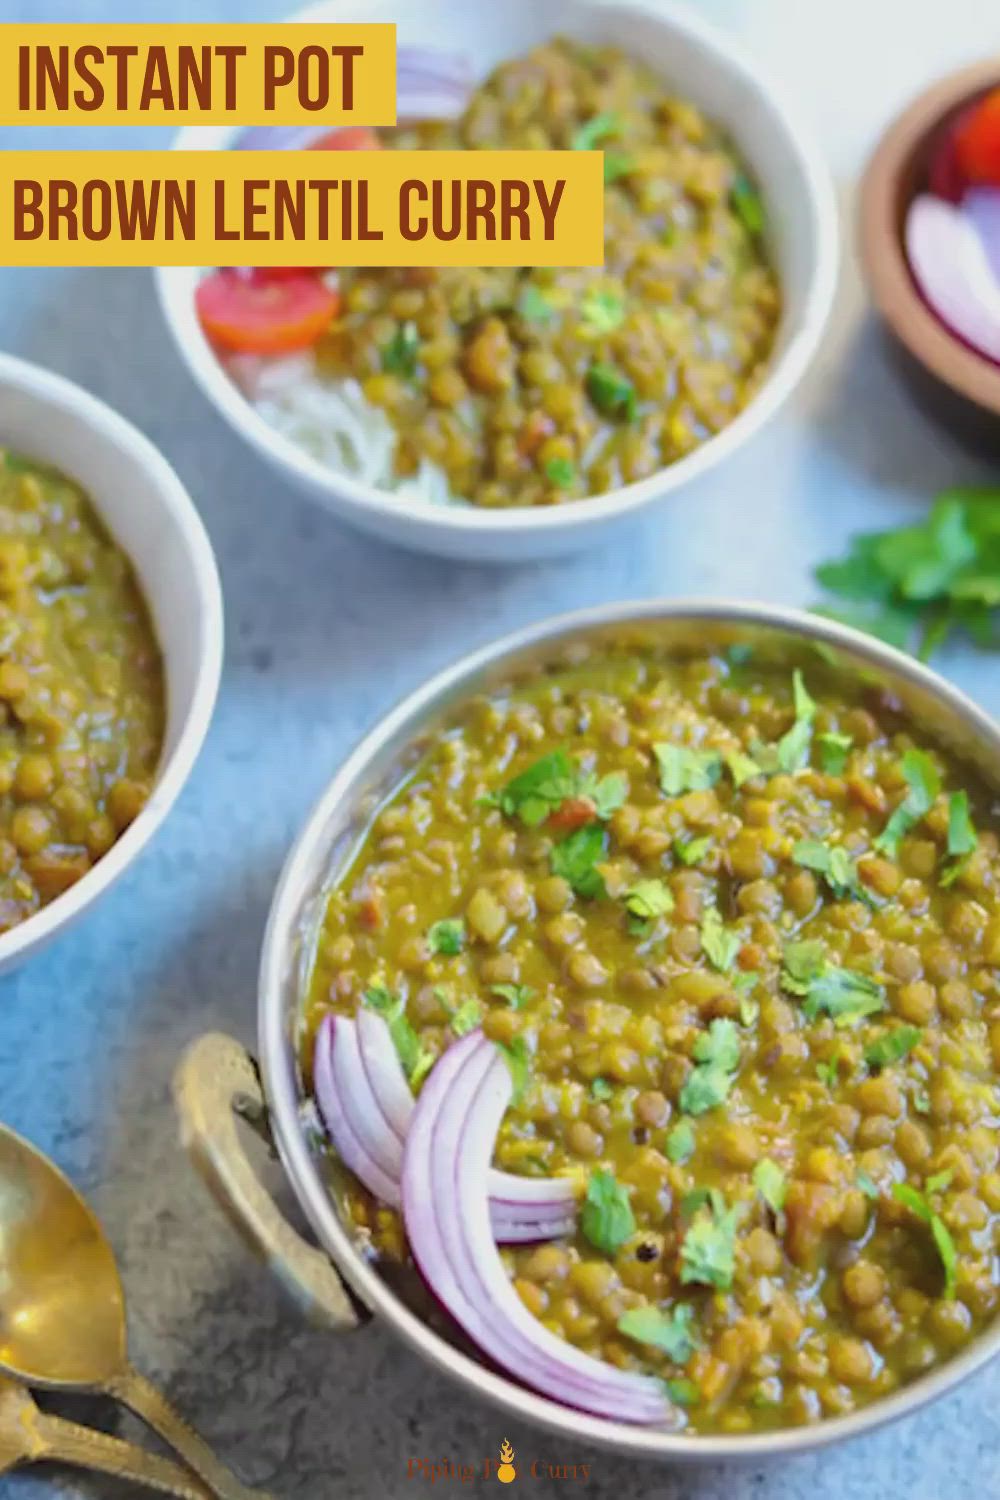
x=649, y=899
x=467, y=1017
x=680, y=1142
x=617, y=164
x=576, y=859
x=833, y=752
x=416, y=1060
x=560, y=472
x=742, y=767
x=708, y=1251
x=540, y=790
x=447, y=937
x=829, y=1072
x=516, y=995
x=607, y=793
x=918, y=1205
x=835, y=865
x=601, y=1090
x=924, y=782
x=719, y=944
x=597, y=129
x=399, y=355
x=606, y=1217
x=684, y=770
x=533, y=305
x=611, y=391
x=602, y=310
x=743, y=982
x=791, y=753
x=717, y=1055
x=921, y=1101
x=938, y=1182
x=682, y=1392
x=826, y=989
x=892, y=1046
x=771, y=1183
x=670, y=1331
x=748, y=205
x=518, y=1058
x=962, y=836
x=691, y=851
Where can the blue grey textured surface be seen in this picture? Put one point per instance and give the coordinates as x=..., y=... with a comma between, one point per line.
x=325, y=631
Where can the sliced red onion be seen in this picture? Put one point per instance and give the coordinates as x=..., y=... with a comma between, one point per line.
x=445, y=1209
x=331, y=1107
x=950, y=264
x=982, y=206
x=366, y=1104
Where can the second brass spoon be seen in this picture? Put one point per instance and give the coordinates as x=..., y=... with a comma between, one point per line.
x=62, y=1309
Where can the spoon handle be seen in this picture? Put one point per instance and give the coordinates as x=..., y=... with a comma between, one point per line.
x=149, y=1403
x=69, y=1443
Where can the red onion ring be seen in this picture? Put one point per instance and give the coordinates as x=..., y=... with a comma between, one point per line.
x=334, y=1116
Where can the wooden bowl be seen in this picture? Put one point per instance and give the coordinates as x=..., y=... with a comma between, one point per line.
x=949, y=378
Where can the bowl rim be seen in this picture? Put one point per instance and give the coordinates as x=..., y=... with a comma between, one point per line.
x=284, y=1101
x=883, y=257
x=64, y=395
x=468, y=520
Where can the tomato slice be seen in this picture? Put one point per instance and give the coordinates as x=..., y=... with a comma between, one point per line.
x=348, y=138
x=256, y=312
x=977, y=142
x=574, y=813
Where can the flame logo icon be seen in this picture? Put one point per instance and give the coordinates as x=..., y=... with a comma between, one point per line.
x=505, y=1469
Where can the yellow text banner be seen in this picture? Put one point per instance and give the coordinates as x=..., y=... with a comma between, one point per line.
x=307, y=208
x=173, y=73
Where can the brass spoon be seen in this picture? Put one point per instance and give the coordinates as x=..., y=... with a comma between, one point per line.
x=62, y=1309
x=28, y=1435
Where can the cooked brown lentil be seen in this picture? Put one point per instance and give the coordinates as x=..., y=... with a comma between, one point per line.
x=81, y=689
x=533, y=387
x=836, y=1294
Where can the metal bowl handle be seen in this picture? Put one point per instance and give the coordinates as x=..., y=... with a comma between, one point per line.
x=216, y=1081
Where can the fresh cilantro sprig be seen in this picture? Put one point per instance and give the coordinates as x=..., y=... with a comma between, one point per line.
x=577, y=857
x=924, y=782
x=771, y=1183
x=542, y=788
x=836, y=866
x=717, y=1056
x=606, y=1217
x=962, y=837
x=447, y=937
x=708, y=1250
x=669, y=1331
x=719, y=943
x=918, y=1205
x=791, y=753
x=827, y=989
x=892, y=1046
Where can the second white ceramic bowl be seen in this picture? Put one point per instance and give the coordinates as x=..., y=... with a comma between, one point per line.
x=702, y=65
x=153, y=519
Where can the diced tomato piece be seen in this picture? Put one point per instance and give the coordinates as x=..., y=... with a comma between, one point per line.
x=260, y=313
x=348, y=138
x=977, y=141
x=575, y=812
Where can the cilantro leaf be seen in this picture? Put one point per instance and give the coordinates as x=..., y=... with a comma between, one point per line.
x=829, y=1072
x=602, y=310
x=670, y=1331
x=599, y=128
x=611, y=392
x=708, y=1250
x=835, y=865
x=540, y=790
x=415, y=1058
x=399, y=355
x=533, y=305
x=748, y=205
x=649, y=899
x=447, y=937
x=606, y=1217
x=680, y=1142
x=601, y=1090
x=719, y=944
x=576, y=859
x=560, y=472
x=771, y=1183
x=793, y=747
x=517, y=1056
x=691, y=851
x=924, y=782
x=892, y=1046
x=827, y=989
x=467, y=1017
x=717, y=1055
x=516, y=995
x=962, y=837
x=685, y=770
x=918, y=1205
x=742, y=767
x=803, y=962
x=833, y=752
x=683, y=1392
x=607, y=793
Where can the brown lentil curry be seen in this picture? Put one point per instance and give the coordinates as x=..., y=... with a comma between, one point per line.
x=740, y=934
x=532, y=387
x=81, y=689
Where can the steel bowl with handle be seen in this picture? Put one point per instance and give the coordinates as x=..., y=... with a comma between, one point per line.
x=337, y=1283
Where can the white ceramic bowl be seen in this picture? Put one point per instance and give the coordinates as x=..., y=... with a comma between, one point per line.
x=702, y=65
x=152, y=518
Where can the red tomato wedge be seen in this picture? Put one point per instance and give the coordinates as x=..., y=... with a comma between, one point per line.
x=348, y=138
x=977, y=142
x=256, y=312
x=575, y=812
